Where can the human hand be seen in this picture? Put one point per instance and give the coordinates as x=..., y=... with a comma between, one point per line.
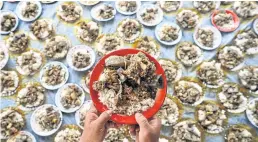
x=149, y=130
x=95, y=125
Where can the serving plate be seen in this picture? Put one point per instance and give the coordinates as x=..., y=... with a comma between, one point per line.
x=123, y=119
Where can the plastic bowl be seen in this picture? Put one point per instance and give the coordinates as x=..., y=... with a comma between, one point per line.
x=123, y=119
x=235, y=18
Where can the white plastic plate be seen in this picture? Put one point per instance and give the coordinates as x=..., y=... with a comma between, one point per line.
x=81, y=48
x=216, y=35
x=21, y=4
x=46, y=67
x=170, y=24
x=33, y=122
x=138, y=3
x=58, y=99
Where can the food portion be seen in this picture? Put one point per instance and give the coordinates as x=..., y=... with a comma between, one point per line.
x=69, y=11
x=86, y=81
x=186, y=131
x=226, y=2
x=168, y=33
x=252, y=112
x=204, y=6
x=128, y=84
x=116, y=135
x=12, y=121
x=187, y=19
x=29, y=9
x=148, y=45
x=127, y=6
x=211, y=74
x=81, y=59
x=9, y=82
x=2, y=55
x=88, y=31
x=89, y=2
x=68, y=135
x=245, y=9
x=211, y=117
x=105, y=11
x=189, y=92
x=205, y=37
x=108, y=43
x=249, y=78
x=17, y=42
x=169, y=113
x=150, y=15
x=31, y=96
x=232, y=98
x=22, y=136
x=71, y=96
x=224, y=20
x=169, y=6
x=173, y=71
x=42, y=28
x=82, y=112
x=54, y=75
x=230, y=57
x=8, y=21
x=129, y=29
x=46, y=118
x=57, y=47
x=189, y=54
x=28, y=63
x=239, y=134
x=247, y=41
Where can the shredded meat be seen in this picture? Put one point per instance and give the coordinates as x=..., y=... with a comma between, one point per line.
x=54, y=75
x=128, y=6
x=69, y=12
x=88, y=32
x=106, y=12
x=231, y=97
x=211, y=117
x=149, y=14
x=81, y=59
x=168, y=33
x=70, y=96
x=11, y=122
x=224, y=20
x=188, y=92
x=128, y=84
x=186, y=131
x=211, y=73
x=42, y=29
x=245, y=9
x=247, y=41
x=17, y=42
x=30, y=10
x=8, y=22
x=239, y=134
x=204, y=6
x=187, y=19
x=171, y=70
x=249, y=78
x=188, y=53
x=230, y=57
x=205, y=37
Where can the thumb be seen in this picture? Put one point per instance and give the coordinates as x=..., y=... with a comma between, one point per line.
x=141, y=120
x=103, y=118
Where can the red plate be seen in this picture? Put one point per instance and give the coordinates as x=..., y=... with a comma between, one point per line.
x=235, y=18
x=160, y=96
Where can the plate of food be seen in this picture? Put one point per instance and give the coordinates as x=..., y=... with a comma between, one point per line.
x=225, y=20
x=132, y=71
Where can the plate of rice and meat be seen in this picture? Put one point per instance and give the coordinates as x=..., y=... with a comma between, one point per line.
x=128, y=81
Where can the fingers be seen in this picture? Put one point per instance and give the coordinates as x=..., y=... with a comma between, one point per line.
x=141, y=120
x=103, y=118
x=155, y=123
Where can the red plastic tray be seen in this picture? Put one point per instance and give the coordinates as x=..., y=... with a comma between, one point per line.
x=235, y=18
x=160, y=96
